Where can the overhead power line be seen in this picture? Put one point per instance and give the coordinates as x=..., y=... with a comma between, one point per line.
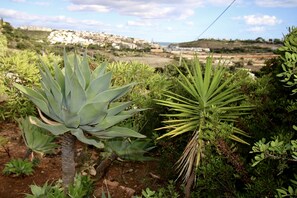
x=216, y=19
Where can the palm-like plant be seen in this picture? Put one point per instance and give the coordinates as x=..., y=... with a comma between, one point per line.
x=208, y=114
x=78, y=102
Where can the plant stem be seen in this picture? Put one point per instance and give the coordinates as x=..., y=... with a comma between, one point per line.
x=68, y=163
x=104, y=165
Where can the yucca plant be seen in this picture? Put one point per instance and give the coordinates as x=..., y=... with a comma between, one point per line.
x=78, y=102
x=208, y=111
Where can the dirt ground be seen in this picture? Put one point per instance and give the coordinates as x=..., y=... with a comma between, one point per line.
x=123, y=179
x=150, y=59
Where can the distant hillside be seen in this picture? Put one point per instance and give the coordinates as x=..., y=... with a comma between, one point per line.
x=233, y=46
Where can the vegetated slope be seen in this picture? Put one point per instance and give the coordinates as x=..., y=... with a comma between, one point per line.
x=234, y=46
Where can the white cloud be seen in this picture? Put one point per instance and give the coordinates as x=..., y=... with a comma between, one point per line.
x=144, y=9
x=139, y=23
x=50, y=21
x=42, y=3
x=39, y=3
x=19, y=1
x=96, y=8
x=189, y=23
x=256, y=29
x=169, y=28
x=276, y=3
x=261, y=20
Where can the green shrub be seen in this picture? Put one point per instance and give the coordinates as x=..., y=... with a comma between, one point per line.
x=18, y=167
x=150, y=86
x=3, y=43
x=168, y=191
x=21, y=67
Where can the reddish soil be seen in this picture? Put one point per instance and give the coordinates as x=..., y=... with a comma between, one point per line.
x=122, y=180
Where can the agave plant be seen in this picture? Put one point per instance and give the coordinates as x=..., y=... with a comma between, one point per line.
x=36, y=139
x=78, y=102
x=207, y=114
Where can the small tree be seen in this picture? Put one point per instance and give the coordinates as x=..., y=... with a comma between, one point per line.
x=76, y=103
x=208, y=114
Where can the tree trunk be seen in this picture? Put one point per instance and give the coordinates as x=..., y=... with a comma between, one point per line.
x=189, y=184
x=68, y=163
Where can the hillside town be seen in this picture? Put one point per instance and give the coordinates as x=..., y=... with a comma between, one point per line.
x=101, y=39
x=94, y=38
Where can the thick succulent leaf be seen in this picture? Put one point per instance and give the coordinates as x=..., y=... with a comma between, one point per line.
x=93, y=112
x=71, y=120
x=112, y=94
x=85, y=69
x=56, y=129
x=51, y=84
x=77, y=96
x=78, y=73
x=118, y=132
x=106, y=123
x=98, y=85
x=99, y=71
x=35, y=138
x=118, y=108
x=59, y=77
x=37, y=98
x=53, y=105
x=79, y=134
x=68, y=73
x=129, y=150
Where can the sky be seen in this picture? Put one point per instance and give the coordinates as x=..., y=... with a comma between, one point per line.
x=158, y=20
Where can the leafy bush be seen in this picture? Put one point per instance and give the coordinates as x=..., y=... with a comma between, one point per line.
x=290, y=191
x=168, y=191
x=21, y=67
x=150, y=86
x=288, y=54
x=216, y=178
x=3, y=43
x=18, y=167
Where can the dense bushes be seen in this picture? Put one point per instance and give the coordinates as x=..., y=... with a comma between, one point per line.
x=149, y=87
x=21, y=67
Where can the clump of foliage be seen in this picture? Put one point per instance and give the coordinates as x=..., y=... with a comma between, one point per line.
x=18, y=167
x=288, y=54
x=168, y=191
x=82, y=187
x=3, y=43
x=36, y=139
x=20, y=67
x=208, y=114
x=150, y=86
x=216, y=177
x=290, y=191
x=280, y=152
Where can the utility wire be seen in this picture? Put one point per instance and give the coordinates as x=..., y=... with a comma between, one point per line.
x=216, y=18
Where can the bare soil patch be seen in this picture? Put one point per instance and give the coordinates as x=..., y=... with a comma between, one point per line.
x=149, y=59
x=123, y=179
